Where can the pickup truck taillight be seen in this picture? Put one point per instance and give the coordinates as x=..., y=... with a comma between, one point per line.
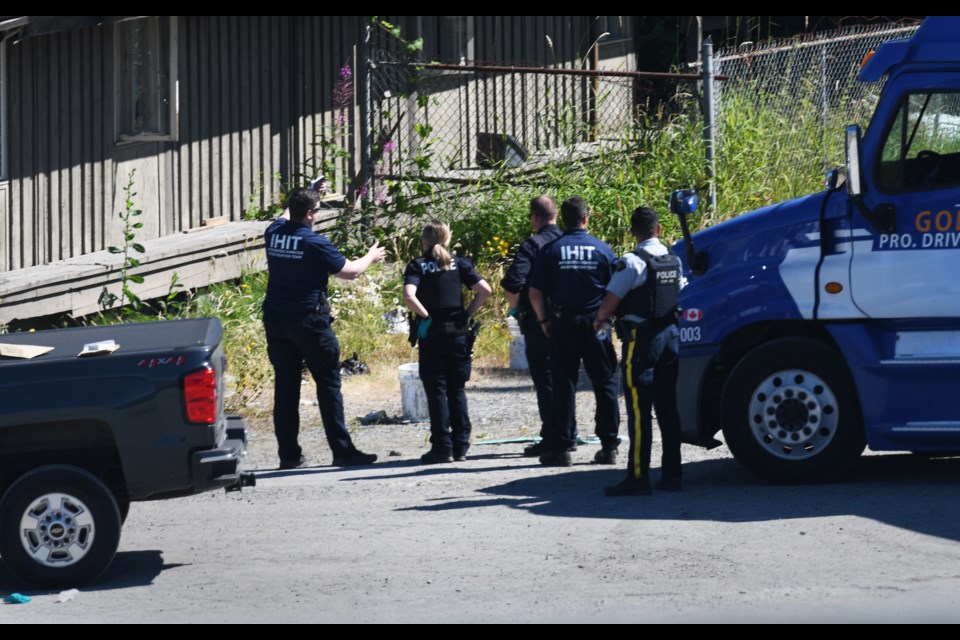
x=200, y=395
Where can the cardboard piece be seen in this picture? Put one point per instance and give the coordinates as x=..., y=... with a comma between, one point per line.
x=22, y=351
x=98, y=348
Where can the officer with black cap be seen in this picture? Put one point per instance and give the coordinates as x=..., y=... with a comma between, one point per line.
x=516, y=283
x=568, y=285
x=644, y=296
x=433, y=290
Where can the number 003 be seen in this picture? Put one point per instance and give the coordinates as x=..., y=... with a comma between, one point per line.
x=690, y=334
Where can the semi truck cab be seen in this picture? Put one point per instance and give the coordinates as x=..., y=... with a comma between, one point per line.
x=813, y=328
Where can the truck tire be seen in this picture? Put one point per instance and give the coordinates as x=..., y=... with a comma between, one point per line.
x=790, y=412
x=59, y=527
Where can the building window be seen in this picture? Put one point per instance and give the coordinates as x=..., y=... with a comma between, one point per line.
x=146, y=78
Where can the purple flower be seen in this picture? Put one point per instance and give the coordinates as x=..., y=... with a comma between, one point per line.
x=364, y=188
x=343, y=90
x=341, y=117
x=381, y=195
x=389, y=146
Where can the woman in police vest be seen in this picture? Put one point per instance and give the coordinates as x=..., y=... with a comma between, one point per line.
x=433, y=291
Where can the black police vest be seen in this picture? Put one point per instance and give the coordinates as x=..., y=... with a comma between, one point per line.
x=659, y=296
x=540, y=240
x=440, y=289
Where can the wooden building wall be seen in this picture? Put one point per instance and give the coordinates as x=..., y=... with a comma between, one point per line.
x=253, y=91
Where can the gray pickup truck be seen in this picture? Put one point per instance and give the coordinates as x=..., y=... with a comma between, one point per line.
x=139, y=416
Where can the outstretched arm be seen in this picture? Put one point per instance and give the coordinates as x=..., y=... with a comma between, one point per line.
x=354, y=268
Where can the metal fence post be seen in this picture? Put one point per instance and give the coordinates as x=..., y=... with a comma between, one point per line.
x=366, y=123
x=709, y=114
x=825, y=105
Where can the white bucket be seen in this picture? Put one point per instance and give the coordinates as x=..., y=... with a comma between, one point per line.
x=413, y=399
x=518, y=346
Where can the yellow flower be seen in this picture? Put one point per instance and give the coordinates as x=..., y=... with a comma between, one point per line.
x=32, y=330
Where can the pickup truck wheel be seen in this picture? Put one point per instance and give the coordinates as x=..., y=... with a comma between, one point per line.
x=790, y=412
x=59, y=526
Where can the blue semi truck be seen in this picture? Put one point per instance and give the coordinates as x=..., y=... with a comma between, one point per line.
x=815, y=327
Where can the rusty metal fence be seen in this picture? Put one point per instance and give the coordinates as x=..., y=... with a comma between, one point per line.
x=455, y=121
x=469, y=118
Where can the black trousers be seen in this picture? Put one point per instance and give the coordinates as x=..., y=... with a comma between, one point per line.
x=444, y=371
x=537, y=350
x=650, y=366
x=293, y=340
x=572, y=340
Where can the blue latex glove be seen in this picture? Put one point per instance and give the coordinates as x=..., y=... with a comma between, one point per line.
x=423, y=328
x=16, y=598
x=513, y=312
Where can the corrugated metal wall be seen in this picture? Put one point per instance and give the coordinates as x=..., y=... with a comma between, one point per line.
x=253, y=91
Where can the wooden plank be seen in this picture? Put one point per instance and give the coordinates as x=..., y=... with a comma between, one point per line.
x=282, y=95
x=52, y=95
x=209, y=223
x=194, y=175
x=200, y=174
x=277, y=129
x=262, y=88
x=236, y=186
x=71, y=218
x=220, y=161
x=14, y=145
x=301, y=30
x=74, y=285
x=81, y=241
x=28, y=228
x=102, y=133
x=182, y=187
x=245, y=100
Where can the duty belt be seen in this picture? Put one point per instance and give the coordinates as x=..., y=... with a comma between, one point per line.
x=570, y=311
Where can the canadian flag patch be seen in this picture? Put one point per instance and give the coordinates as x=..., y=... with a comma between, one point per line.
x=692, y=315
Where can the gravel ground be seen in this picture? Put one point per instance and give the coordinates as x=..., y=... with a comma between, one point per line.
x=498, y=538
x=501, y=401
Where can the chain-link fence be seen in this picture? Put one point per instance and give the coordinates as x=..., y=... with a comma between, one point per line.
x=469, y=118
x=451, y=122
x=808, y=86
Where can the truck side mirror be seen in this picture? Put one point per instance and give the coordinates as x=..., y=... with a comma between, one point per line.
x=854, y=189
x=684, y=202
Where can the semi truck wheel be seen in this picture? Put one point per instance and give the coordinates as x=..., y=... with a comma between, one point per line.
x=790, y=412
x=59, y=526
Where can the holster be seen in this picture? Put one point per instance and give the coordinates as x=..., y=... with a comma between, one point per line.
x=621, y=329
x=472, y=332
x=523, y=317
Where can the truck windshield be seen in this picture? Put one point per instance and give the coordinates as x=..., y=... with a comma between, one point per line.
x=922, y=149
